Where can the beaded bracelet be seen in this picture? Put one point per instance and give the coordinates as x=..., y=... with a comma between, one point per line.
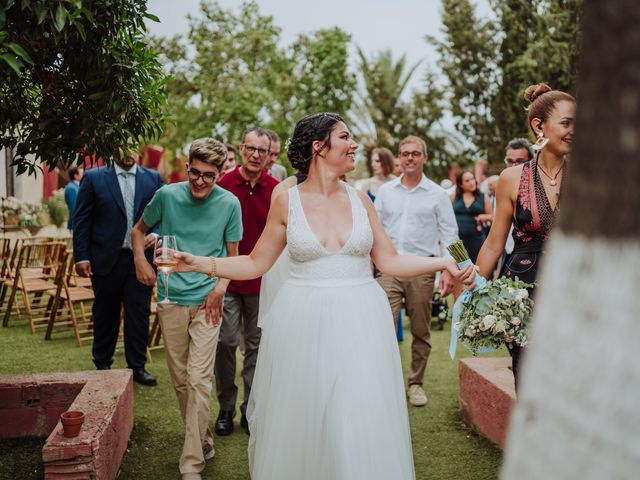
x=214, y=268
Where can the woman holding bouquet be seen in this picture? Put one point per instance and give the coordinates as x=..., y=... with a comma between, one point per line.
x=529, y=195
x=328, y=399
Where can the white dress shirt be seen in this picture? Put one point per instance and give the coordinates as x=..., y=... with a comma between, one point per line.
x=131, y=178
x=418, y=221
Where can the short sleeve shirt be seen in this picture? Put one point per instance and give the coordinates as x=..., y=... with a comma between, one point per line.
x=255, y=202
x=201, y=227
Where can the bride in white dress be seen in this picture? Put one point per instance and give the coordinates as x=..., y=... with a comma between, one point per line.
x=327, y=401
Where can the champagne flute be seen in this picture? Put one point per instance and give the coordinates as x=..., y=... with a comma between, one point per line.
x=163, y=257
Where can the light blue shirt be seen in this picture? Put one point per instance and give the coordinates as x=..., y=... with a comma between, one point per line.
x=131, y=178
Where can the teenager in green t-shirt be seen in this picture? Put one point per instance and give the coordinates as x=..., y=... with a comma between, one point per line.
x=205, y=219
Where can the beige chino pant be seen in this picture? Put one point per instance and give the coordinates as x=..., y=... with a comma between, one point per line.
x=417, y=293
x=190, y=346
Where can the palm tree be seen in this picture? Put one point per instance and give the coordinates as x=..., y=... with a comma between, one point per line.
x=380, y=111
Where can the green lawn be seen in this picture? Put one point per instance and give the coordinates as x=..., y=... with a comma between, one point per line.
x=443, y=447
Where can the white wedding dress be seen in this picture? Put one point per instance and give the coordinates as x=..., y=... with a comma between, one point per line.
x=327, y=400
x=271, y=283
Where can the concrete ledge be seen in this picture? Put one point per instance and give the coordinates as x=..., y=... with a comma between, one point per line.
x=487, y=393
x=30, y=405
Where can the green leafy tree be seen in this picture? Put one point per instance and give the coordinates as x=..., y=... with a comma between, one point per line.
x=540, y=43
x=78, y=79
x=489, y=63
x=220, y=74
x=229, y=73
x=313, y=77
x=467, y=59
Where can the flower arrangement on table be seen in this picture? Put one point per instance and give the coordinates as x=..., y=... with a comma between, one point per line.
x=23, y=214
x=494, y=314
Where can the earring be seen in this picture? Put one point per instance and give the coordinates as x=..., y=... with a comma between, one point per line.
x=540, y=143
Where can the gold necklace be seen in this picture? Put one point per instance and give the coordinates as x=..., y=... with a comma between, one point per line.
x=553, y=181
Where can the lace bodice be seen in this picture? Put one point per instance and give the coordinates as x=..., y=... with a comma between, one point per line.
x=312, y=262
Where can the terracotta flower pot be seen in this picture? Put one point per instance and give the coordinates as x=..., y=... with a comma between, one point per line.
x=71, y=423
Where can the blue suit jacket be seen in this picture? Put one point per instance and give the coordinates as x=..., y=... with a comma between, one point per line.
x=100, y=220
x=70, y=197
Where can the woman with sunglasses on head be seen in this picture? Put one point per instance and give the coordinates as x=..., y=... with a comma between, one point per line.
x=327, y=400
x=529, y=194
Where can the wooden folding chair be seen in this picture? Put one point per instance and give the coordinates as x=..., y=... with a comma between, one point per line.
x=66, y=297
x=5, y=254
x=34, y=273
x=155, y=332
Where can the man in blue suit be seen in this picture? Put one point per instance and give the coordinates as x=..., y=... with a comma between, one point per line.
x=110, y=201
x=71, y=192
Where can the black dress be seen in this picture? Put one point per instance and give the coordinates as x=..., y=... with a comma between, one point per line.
x=532, y=224
x=471, y=234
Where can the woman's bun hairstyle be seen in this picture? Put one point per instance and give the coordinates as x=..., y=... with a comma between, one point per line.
x=534, y=91
x=317, y=126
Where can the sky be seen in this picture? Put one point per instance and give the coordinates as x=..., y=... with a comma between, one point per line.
x=400, y=25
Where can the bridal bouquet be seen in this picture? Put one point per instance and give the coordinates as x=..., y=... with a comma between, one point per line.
x=495, y=313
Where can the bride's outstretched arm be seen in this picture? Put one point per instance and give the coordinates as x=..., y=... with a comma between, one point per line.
x=390, y=262
x=246, y=267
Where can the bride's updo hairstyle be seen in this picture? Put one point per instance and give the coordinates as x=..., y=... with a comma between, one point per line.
x=542, y=100
x=317, y=126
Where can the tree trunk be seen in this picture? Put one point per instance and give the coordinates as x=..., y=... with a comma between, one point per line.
x=578, y=412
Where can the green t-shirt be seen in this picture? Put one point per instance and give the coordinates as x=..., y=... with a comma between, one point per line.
x=201, y=227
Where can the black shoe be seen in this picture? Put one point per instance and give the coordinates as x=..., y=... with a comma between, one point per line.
x=244, y=423
x=224, y=424
x=144, y=378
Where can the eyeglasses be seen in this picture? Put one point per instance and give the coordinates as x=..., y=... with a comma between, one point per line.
x=207, y=177
x=415, y=153
x=513, y=163
x=262, y=152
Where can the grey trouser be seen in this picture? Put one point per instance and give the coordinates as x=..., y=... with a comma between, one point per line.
x=240, y=315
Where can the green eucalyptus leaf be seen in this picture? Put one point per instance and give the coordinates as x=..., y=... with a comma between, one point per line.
x=60, y=18
x=42, y=14
x=152, y=17
x=18, y=50
x=81, y=31
x=12, y=61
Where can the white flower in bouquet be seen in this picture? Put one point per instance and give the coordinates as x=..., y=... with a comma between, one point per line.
x=487, y=322
x=515, y=321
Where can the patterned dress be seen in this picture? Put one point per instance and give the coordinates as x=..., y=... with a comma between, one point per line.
x=534, y=219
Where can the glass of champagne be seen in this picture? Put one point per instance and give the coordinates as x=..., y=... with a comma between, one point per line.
x=163, y=257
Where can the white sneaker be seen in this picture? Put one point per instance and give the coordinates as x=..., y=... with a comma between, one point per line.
x=416, y=395
x=209, y=452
